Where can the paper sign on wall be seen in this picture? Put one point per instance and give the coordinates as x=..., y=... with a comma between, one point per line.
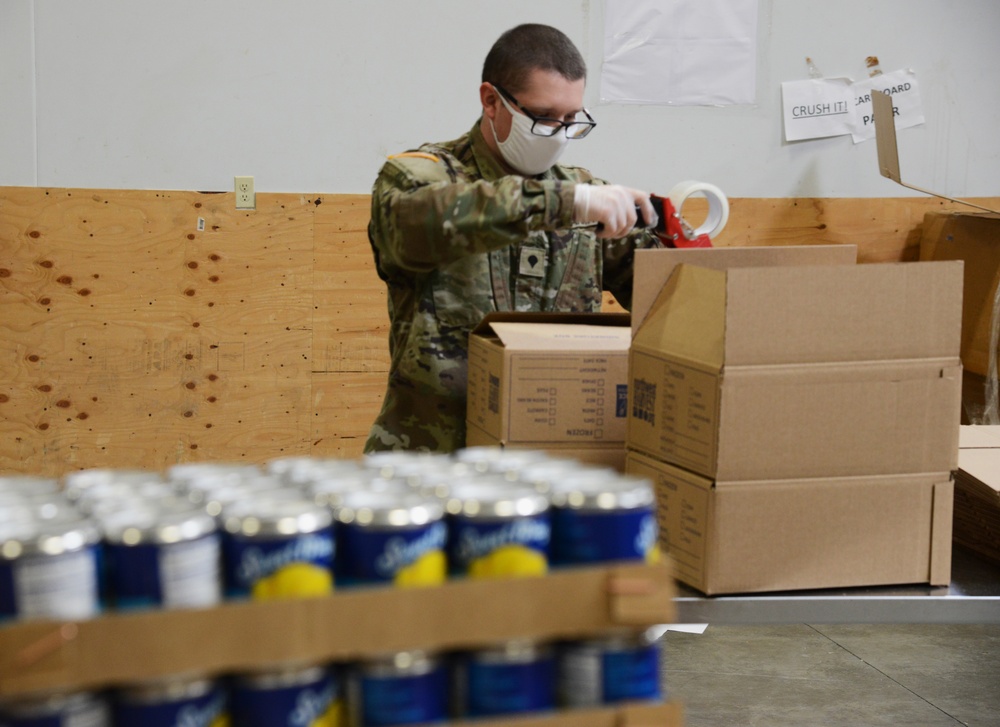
x=817, y=108
x=680, y=52
x=907, y=108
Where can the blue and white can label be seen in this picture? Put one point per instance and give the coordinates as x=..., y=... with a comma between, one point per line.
x=413, y=556
x=608, y=671
x=491, y=684
x=171, y=575
x=499, y=548
x=291, y=567
x=600, y=536
x=272, y=702
x=206, y=708
x=385, y=698
x=63, y=586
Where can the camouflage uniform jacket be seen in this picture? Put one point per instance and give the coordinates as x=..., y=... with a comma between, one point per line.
x=456, y=237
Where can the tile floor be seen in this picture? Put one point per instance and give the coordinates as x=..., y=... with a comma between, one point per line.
x=852, y=675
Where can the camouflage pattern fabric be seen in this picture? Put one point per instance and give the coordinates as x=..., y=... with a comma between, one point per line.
x=454, y=238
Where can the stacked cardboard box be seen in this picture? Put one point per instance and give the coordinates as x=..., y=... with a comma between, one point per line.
x=801, y=422
x=977, y=491
x=552, y=381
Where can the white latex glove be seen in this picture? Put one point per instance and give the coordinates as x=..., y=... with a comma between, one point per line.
x=612, y=207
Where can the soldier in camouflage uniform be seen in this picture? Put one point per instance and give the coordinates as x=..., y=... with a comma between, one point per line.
x=489, y=222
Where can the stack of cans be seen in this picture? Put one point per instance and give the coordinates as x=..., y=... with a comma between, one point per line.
x=301, y=526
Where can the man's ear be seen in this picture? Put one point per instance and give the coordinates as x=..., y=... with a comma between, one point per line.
x=490, y=99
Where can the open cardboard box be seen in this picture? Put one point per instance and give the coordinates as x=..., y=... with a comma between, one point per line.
x=549, y=379
x=971, y=237
x=787, y=372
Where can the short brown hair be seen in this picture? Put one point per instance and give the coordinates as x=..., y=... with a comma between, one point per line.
x=528, y=47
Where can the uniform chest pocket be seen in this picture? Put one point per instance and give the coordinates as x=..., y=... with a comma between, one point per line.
x=462, y=292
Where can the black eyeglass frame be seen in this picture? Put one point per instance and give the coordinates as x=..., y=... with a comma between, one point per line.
x=549, y=123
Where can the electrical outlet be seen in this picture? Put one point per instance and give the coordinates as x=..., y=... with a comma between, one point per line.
x=245, y=197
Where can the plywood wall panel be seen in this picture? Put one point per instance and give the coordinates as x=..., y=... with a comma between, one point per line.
x=143, y=328
x=139, y=336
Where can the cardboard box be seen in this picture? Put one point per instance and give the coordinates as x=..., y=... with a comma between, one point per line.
x=800, y=372
x=610, y=455
x=548, y=378
x=977, y=491
x=742, y=537
x=974, y=239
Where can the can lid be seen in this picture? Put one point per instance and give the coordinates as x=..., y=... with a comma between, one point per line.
x=170, y=688
x=550, y=475
x=495, y=497
x=623, y=492
x=401, y=663
x=283, y=676
x=29, y=484
x=491, y=458
x=516, y=651
x=99, y=483
x=388, y=509
x=49, y=704
x=387, y=462
x=47, y=537
x=149, y=524
x=302, y=471
x=332, y=491
x=263, y=516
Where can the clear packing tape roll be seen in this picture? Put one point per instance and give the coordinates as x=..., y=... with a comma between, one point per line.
x=718, y=207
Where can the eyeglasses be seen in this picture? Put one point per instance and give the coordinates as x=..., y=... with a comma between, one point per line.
x=544, y=126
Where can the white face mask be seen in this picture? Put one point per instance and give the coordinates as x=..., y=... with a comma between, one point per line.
x=525, y=152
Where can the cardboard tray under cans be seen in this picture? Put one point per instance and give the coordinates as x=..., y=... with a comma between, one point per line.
x=123, y=648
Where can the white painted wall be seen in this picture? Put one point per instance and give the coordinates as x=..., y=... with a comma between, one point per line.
x=310, y=95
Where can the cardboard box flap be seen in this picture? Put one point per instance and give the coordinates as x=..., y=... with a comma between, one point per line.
x=832, y=313
x=688, y=317
x=974, y=238
x=523, y=336
x=592, y=319
x=654, y=267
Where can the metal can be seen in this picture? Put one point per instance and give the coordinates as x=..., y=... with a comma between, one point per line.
x=178, y=702
x=409, y=687
x=601, y=519
x=76, y=709
x=29, y=484
x=78, y=484
x=277, y=549
x=395, y=537
x=497, y=530
x=162, y=557
x=49, y=569
x=499, y=460
x=516, y=677
x=619, y=667
x=287, y=697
